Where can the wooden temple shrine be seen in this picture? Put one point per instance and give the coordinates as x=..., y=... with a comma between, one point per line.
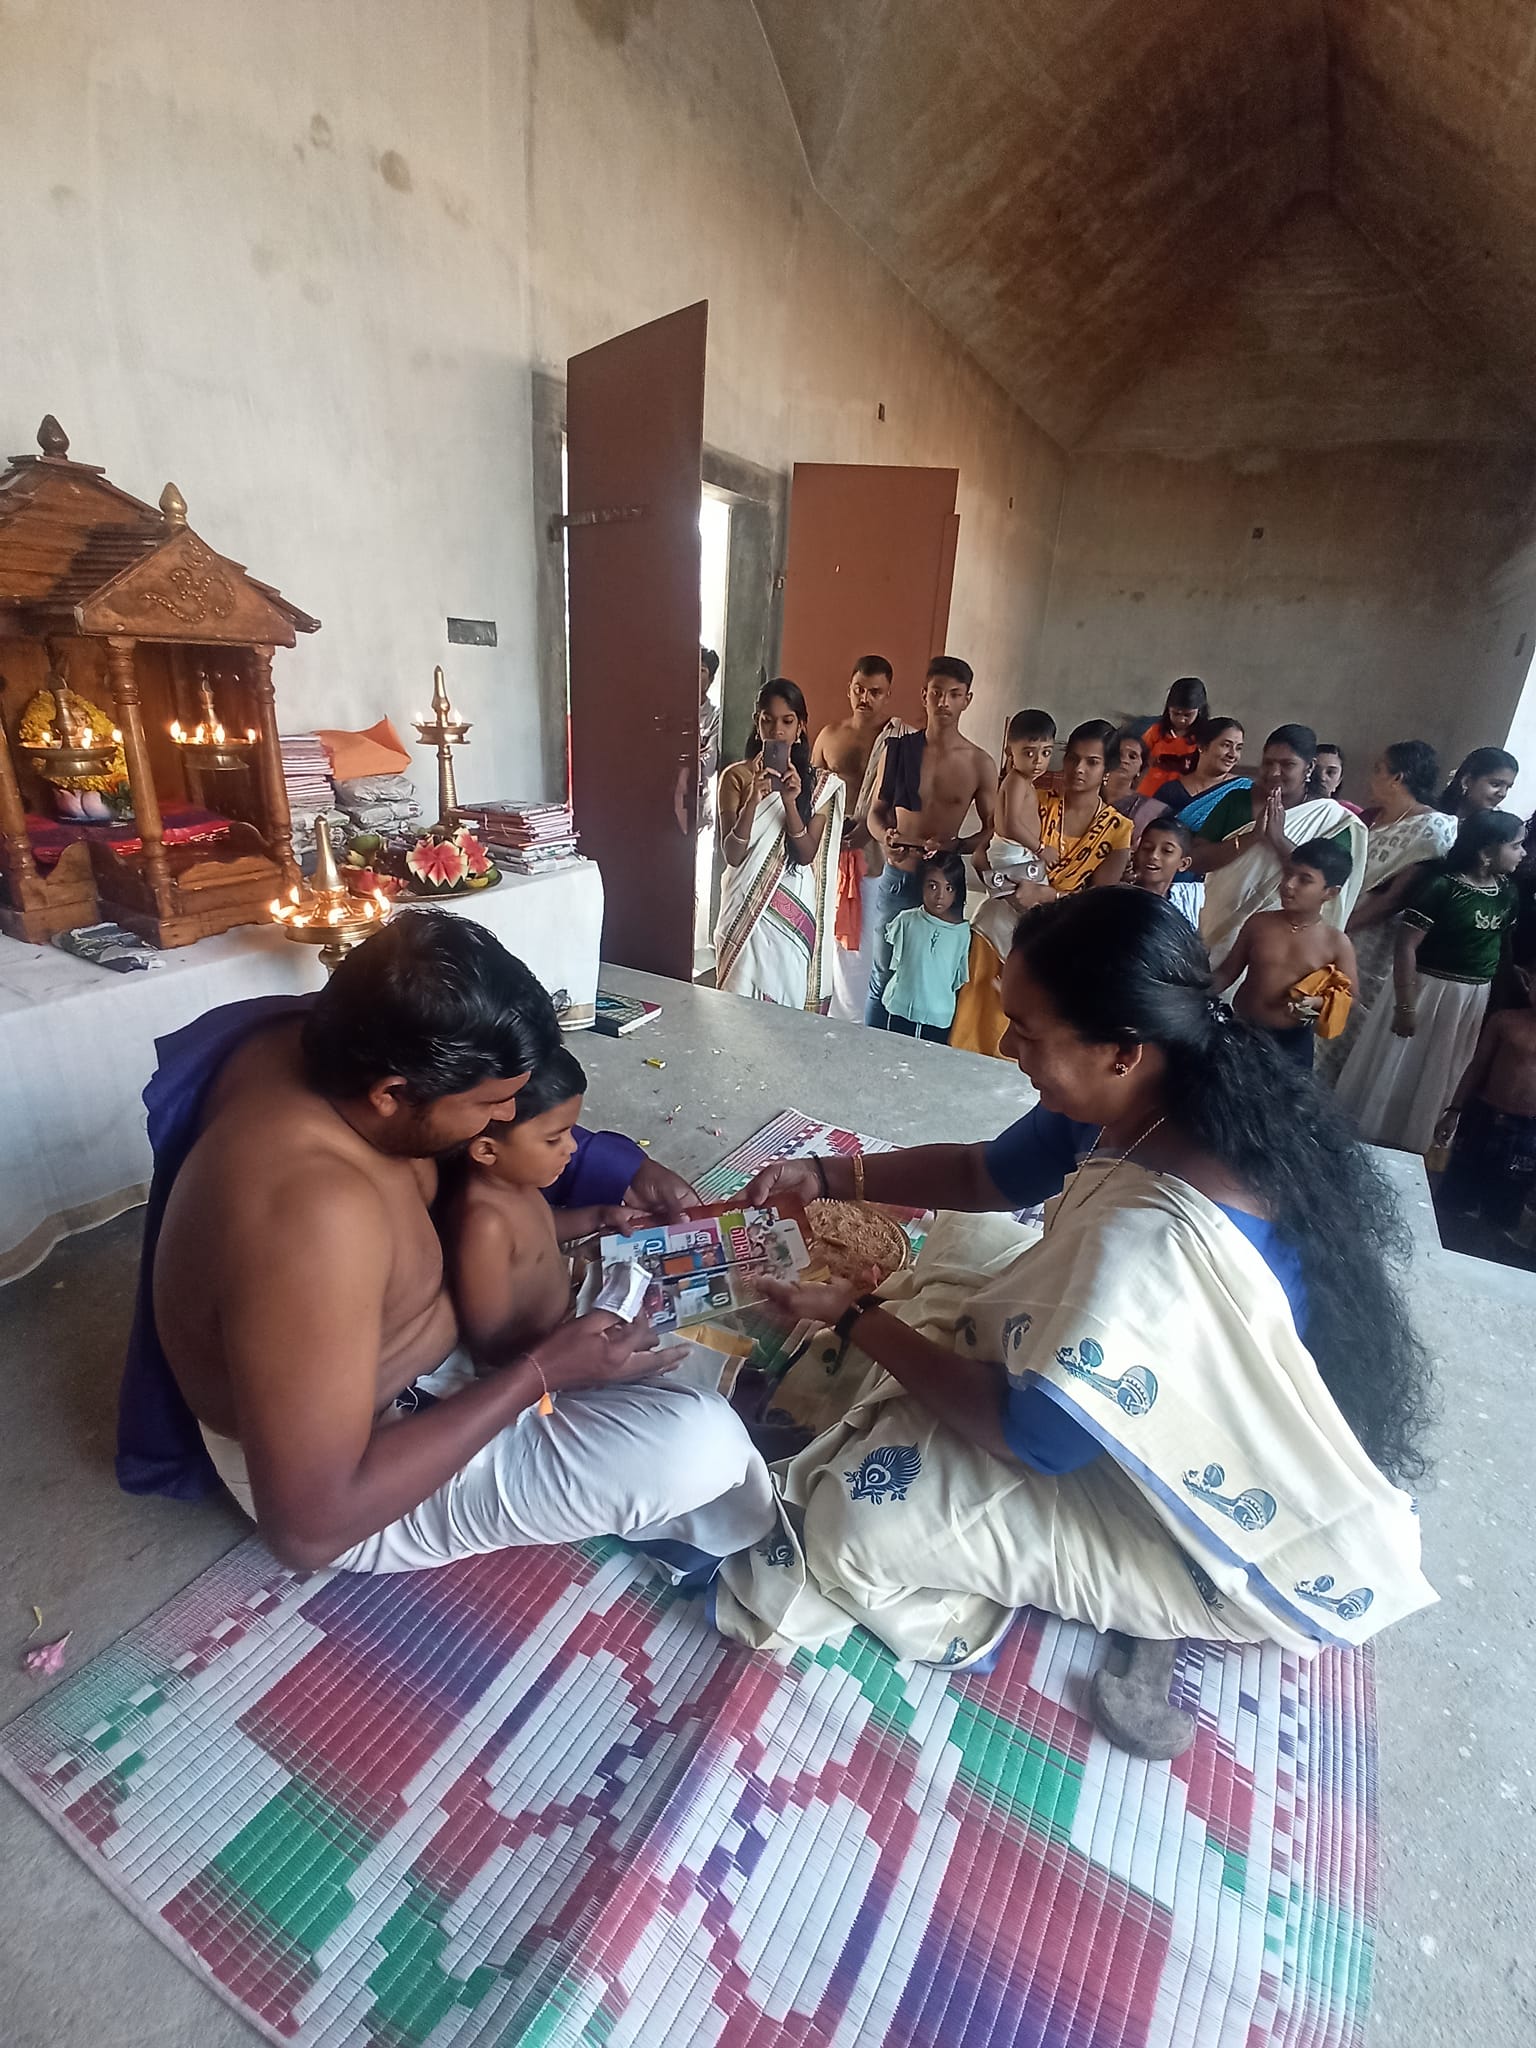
x=141, y=779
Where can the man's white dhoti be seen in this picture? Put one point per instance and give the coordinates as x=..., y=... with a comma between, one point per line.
x=655, y=1464
x=850, y=971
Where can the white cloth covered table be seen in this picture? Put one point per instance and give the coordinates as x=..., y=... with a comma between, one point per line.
x=77, y=1044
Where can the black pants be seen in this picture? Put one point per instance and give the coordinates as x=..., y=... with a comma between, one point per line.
x=938, y=1033
x=1296, y=1043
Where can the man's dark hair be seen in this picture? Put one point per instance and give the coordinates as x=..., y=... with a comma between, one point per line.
x=952, y=669
x=1333, y=862
x=709, y=661
x=1031, y=725
x=433, y=998
x=874, y=665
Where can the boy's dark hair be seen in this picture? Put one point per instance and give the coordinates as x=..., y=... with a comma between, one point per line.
x=433, y=998
x=952, y=669
x=874, y=665
x=952, y=867
x=552, y=1082
x=1031, y=725
x=1333, y=862
x=709, y=661
x=1171, y=828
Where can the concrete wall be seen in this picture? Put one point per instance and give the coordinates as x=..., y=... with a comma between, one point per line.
x=1312, y=503
x=304, y=259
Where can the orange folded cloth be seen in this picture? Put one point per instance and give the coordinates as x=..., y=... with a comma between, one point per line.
x=848, y=925
x=1333, y=993
x=378, y=751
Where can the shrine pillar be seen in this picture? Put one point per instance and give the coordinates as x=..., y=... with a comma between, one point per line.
x=274, y=789
x=141, y=778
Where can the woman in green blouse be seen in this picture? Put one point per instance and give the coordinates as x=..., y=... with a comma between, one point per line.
x=1422, y=1029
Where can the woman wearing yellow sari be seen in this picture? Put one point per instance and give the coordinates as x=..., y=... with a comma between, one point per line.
x=1085, y=843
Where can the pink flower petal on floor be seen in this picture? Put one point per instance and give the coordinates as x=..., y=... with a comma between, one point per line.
x=47, y=1658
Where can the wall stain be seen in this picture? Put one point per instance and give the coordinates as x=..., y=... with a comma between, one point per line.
x=321, y=133
x=458, y=209
x=395, y=171
x=63, y=195
x=609, y=20
x=265, y=259
x=317, y=292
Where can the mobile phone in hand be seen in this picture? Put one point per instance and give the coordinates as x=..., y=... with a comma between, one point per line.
x=776, y=756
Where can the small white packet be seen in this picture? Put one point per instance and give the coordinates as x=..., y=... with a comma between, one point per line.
x=623, y=1289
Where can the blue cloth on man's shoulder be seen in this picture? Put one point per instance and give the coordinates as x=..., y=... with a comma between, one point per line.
x=160, y=1448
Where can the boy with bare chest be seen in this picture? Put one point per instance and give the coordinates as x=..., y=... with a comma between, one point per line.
x=508, y=1261
x=1277, y=950
x=929, y=783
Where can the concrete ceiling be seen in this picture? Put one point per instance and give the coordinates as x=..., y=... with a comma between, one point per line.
x=1063, y=182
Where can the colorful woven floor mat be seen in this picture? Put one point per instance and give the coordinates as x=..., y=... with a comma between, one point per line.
x=532, y=1800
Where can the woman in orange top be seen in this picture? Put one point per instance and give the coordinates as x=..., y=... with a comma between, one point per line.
x=1170, y=740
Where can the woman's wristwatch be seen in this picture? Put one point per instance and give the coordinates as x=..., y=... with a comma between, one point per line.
x=842, y=1329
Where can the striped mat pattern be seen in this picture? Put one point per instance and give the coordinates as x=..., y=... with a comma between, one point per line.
x=533, y=1801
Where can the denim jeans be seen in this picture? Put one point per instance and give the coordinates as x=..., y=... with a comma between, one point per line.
x=898, y=891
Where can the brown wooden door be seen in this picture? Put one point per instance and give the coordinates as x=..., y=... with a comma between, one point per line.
x=870, y=563
x=634, y=445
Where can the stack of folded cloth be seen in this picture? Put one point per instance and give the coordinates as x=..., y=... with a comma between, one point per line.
x=307, y=773
x=525, y=838
x=381, y=803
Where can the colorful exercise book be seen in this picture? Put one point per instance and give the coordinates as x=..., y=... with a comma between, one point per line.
x=709, y=1265
x=618, y=1015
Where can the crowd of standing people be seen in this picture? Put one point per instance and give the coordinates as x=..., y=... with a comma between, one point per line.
x=877, y=872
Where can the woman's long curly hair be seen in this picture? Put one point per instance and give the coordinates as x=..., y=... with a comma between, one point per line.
x=800, y=753
x=1123, y=967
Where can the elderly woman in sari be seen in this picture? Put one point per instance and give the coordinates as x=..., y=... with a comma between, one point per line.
x=780, y=830
x=1186, y=1410
x=1244, y=845
x=1406, y=834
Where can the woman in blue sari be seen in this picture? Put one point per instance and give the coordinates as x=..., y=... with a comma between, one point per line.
x=1193, y=797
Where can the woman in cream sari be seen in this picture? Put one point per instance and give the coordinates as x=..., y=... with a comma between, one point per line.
x=1181, y=1412
x=1245, y=842
x=779, y=832
x=1406, y=835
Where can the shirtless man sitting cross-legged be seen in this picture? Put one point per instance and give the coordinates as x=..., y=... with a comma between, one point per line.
x=298, y=1294
x=928, y=784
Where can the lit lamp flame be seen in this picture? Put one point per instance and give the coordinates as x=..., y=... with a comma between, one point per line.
x=324, y=913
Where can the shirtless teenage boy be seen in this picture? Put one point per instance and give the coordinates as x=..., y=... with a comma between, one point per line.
x=851, y=749
x=1278, y=948
x=929, y=782
x=298, y=1290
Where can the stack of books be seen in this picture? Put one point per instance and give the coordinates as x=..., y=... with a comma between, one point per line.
x=307, y=773
x=525, y=838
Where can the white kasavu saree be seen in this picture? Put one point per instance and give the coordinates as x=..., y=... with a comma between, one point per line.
x=774, y=937
x=1231, y=1500
x=1252, y=881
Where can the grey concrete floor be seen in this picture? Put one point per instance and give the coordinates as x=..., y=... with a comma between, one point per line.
x=1456, y=1961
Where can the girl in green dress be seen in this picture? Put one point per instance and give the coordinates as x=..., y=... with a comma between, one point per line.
x=1422, y=1029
